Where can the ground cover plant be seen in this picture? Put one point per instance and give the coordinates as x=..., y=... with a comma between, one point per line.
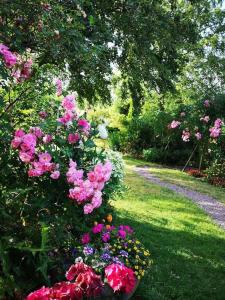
x=186, y=247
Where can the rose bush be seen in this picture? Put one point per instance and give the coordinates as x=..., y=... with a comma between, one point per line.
x=54, y=181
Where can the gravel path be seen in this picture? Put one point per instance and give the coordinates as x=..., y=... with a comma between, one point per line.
x=214, y=209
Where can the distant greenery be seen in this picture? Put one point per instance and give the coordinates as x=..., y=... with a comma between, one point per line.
x=185, y=245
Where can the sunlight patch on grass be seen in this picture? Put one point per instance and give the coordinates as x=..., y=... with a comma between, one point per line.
x=187, y=247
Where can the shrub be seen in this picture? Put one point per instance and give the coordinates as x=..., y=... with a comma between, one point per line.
x=153, y=155
x=216, y=173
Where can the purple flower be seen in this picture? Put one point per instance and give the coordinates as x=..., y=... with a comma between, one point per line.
x=88, y=250
x=122, y=233
x=124, y=253
x=105, y=256
x=106, y=237
x=117, y=261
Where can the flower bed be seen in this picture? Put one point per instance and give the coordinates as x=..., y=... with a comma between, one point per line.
x=109, y=265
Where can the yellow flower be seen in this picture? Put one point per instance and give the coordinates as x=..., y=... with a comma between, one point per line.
x=135, y=248
x=137, y=242
x=136, y=267
x=136, y=273
x=146, y=253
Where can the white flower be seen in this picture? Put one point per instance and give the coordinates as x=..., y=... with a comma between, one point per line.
x=103, y=133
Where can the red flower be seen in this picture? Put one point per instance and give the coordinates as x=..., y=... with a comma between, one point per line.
x=120, y=278
x=41, y=294
x=75, y=270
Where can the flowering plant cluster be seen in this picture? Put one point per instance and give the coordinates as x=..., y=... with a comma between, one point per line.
x=205, y=124
x=19, y=68
x=40, y=151
x=106, y=244
x=109, y=257
x=82, y=282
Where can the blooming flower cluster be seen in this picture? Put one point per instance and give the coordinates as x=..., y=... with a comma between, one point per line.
x=174, y=124
x=39, y=162
x=88, y=191
x=20, y=69
x=216, y=130
x=120, y=278
x=186, y=135
x=35, y=148
x=86, y=283
x=106, y=245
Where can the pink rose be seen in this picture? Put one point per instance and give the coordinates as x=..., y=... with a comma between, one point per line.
x=55, y=175
x=25, y=156
x=88, y=209
x=198, y=136
x=44, y=157
x=47, y=139
x=73, y=138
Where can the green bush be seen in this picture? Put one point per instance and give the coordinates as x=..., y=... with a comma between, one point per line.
x=216, y=170
x=153, y=154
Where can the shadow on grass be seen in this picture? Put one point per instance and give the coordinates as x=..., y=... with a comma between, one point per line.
x=186, y=265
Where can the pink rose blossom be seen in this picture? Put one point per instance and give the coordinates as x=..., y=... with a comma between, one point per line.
x=9, y=58
x=26, y=157
x=207, y=103
x=85, y=125
x=19, y=133
x=73, y=138
x=37, y=131
x=47, y=139
x=26, y=70
x=88, y=208
x=69, y=103
x=198, y=136
x=186, y=136
x=55, y=175
x=174, y=124
x=35, y=172
x=215, y=132
x=218, y=123
x=44, y=157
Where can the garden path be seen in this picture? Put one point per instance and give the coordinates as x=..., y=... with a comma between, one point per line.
x=211, y=206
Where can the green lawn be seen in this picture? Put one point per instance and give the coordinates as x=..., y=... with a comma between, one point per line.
x=181, y=178
x=188, y=250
